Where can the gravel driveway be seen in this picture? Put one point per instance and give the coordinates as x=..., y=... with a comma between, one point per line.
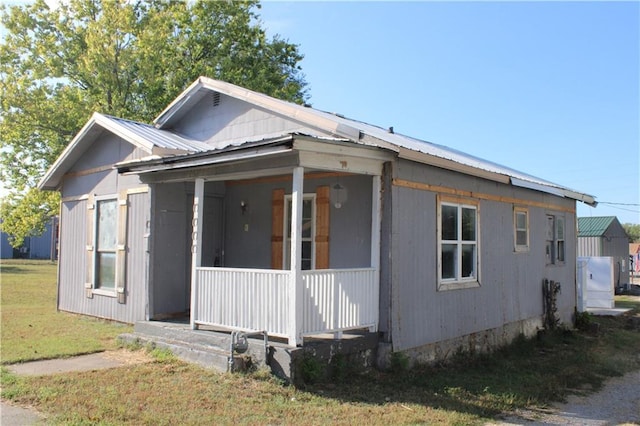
x=617, y=403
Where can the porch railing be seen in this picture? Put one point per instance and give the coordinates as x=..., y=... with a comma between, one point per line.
x=258, y=299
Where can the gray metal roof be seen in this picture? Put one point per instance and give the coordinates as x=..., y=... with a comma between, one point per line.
x=366, y=134
x=160, y=138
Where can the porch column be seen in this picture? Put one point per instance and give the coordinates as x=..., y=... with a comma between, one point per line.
x=196, y=246
x=295, y=289
x=376, y=216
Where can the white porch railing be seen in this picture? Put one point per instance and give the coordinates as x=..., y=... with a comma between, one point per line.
x=339, y=299
x=243, y=299
x=258, y=299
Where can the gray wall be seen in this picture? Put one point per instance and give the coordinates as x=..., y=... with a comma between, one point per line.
x=232, y=120
x=105, y=151
x=170, y=253
x=511, y=283
x=350, y=226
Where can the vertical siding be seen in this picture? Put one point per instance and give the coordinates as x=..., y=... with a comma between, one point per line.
x=72, y=264
x=106, y=150
x=72, y=257
x=589, y=246
x=137, y=259
x=510, y=282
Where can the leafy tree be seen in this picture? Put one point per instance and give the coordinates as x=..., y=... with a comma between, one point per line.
x=123, y=58
x=633, y=231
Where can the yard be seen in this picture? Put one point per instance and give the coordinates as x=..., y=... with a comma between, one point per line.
x=469, y=390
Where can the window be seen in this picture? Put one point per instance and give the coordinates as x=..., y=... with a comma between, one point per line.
x=105, y=253
x=554, y=248
x=521, y=229
x=458, y=245
x=308, y=233
x=560, y=239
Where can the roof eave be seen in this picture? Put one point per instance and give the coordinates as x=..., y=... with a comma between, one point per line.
x=52, y=178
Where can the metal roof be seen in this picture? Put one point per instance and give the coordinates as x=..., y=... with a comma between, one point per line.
x=157, y=137
x=367, y=134
x=148, y=138
x=594, y=226
x=161, y=140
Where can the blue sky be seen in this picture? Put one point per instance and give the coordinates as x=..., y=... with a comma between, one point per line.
x=547, y=88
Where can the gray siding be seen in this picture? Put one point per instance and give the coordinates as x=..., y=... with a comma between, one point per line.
x=589, y=246
x=170, y=251
x=511, y=282
x=73, y=264
x=85, y=180
x=72, y=260
x=350, y=226
x=233, y=120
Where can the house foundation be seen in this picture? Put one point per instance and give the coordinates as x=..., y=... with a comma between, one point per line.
x=475, y=343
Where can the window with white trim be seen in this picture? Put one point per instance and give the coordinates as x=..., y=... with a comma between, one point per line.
x=308, y=232
x=458, y=257
x=106, y=244
x=521, y=229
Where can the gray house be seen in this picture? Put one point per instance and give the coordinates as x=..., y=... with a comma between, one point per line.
x=605, y=236
x=245, y=212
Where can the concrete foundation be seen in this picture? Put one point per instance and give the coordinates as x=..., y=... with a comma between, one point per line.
x=475, y=343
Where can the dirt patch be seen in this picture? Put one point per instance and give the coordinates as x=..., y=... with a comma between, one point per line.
x=96, y=361
x=128, y=357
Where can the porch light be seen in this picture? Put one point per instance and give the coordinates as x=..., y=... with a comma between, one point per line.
x=243, y=207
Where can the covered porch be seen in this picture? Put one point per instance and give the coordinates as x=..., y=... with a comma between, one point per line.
x=286, y=242
x=289, y=303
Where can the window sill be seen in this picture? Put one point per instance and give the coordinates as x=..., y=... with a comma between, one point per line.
x=108, y=293
x=458, y=285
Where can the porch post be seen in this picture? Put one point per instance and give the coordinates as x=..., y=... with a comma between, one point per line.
x=376, y=215
x=295, y=289
x=196, y=246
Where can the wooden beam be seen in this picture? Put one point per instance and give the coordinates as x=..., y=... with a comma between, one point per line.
x=479, y=195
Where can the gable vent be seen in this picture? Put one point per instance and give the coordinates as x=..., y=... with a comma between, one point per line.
x=216, y=99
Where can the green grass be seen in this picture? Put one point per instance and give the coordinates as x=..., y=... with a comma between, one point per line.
x=470, y=390
x=33, y=329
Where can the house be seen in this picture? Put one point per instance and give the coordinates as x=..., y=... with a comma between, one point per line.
x=245, y=212
x=605, y=236
x=35, y=247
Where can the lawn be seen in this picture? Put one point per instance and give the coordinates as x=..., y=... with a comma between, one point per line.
x=470, y=390
x=33, y=329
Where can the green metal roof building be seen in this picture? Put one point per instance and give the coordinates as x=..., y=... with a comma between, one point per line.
x=605, y=236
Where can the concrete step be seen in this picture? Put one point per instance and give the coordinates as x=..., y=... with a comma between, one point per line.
x=211, y=349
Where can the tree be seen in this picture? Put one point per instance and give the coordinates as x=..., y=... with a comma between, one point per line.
x=123, y=58
x=633, y=231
